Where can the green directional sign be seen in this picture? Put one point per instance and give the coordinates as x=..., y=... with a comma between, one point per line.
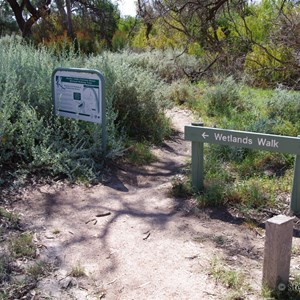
x=259, y=141
x=199, y=135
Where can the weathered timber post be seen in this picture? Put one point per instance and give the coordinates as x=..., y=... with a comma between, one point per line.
x=277, y=253
x=198, y=162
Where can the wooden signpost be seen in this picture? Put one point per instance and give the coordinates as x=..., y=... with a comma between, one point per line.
x=198, y=135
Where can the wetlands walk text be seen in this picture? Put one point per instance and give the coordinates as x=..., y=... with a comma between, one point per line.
x=245, y=140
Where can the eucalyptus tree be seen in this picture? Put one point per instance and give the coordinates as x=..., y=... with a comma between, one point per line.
x=99, y=17
x=27, y=13
x=265, y=34
x=198, y=20
x=204, y=22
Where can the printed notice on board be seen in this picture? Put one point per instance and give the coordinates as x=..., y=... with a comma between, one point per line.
x=78, y=95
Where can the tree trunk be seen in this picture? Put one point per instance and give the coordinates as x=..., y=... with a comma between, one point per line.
x=25, y=26
x=61, y=8
x=70, y=23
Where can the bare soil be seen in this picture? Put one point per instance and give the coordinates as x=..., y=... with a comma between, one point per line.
x=135, y=241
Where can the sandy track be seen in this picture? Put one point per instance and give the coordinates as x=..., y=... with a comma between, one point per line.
x=148, y=246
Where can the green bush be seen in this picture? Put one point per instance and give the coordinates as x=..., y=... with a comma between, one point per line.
x=263, y=125
x=32, y=140
x=138, y=98
x=229, y=153
x=213, y=195
x=253, y=193
x=169, y=65
x=285, y=105
x=119, y=40
x=269, y=65
x=224, y=98
x=182, y=92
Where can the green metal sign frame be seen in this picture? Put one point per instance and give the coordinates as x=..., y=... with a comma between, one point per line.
x=80, y=94
x=198, y=135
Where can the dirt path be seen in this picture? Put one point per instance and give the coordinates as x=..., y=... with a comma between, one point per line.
x=146, y=245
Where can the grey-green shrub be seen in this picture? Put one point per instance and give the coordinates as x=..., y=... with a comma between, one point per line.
x=224, y=98
x=138, y=97
x=32, y=139
x=25, y=73
x=169, y=64
x=285, y=105
x=182, y=92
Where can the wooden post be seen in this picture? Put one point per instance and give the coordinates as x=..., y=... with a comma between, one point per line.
x=277, y=253
x=197, y=163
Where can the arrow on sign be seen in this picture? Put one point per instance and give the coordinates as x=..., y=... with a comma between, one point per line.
x=205, y=135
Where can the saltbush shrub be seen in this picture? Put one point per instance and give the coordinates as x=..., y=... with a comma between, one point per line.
x=224, y=98
x=285, y=105
x=32, y=139
x=169, y=64
x=138, y=97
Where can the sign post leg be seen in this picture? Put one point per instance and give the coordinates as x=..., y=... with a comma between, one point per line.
x=103, y=139
x=103, y=125
x=295, y=198
x=198, y=163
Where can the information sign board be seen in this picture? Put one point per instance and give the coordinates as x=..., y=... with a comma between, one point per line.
x=78, y=94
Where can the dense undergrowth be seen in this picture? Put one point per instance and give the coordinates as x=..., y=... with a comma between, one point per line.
x=34, y=141
x=139, y=87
